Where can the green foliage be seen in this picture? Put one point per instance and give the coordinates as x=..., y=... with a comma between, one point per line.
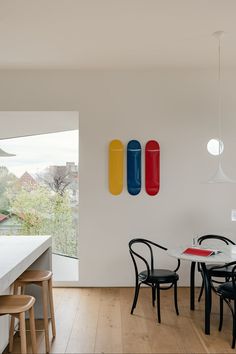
x=40, y=211
x=46, y=213
x=3, y=211
x=62, y=225
x=7, y=180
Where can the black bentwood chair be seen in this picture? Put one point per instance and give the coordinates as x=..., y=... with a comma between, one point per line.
x=152, y=277
x=222, y=272
x=227, y=293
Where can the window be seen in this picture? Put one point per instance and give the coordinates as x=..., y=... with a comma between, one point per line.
x=39, y=191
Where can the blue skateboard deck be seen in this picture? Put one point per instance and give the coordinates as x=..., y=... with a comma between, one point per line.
x=134, y=167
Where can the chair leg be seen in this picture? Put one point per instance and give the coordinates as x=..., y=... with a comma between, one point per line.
x=153, y=295
x=176, y=298
x=11, y=334
x=32, y=331
x=137, y=287
x=221, y=312
x=50, y=294
x=22, y=333
x=158, y=303
x=45, y=314
x=234, y=325
x=201, y=291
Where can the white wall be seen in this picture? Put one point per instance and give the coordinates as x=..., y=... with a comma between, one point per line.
x=178, y=108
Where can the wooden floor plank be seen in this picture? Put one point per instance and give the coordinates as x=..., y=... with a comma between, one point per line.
x=83, y=334
x=170, y=335
x=135, y=334
x=65, y=318
x=108, y=335
x=98, y=320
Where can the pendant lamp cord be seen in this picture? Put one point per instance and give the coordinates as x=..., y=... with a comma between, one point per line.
x=219, y=97
x=220, y=176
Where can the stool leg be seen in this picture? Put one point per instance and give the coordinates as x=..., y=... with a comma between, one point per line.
x=12, y=324
x=45, y=313
x=15, y=288
x=52, y=307
x=11, y=333
x=19, y=289
x=32, y=331
x=22, y=290
x=22, y=333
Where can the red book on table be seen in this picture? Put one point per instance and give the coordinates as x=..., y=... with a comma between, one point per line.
x=198, y=252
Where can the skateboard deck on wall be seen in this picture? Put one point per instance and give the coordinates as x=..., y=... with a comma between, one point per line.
x=116, y=161
x=152, y=167
x=134, y=167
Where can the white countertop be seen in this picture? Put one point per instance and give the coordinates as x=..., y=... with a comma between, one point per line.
x=17, y=253
x=225, y=256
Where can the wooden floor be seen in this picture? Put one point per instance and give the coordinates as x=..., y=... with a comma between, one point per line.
x=98, y=320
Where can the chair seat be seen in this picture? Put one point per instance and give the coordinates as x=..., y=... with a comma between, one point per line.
x=35, y=276
x=222, y=272
x=226, y=290
x=159, y=275
x=15, y=304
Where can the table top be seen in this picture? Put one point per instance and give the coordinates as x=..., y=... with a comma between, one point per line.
x=17, y=253
x=225, y=256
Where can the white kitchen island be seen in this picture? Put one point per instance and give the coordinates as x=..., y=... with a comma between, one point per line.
x=18, y=253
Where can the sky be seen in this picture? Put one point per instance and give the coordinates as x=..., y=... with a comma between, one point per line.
x=34, y=153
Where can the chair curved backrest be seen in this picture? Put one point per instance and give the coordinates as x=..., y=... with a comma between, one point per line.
x=148, y=245
x=232, y=271
x=227, y=294
x=224, y=239
x=135, y=255
x=234, y=279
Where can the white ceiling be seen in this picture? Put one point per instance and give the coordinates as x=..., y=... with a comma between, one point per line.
x=115, y=34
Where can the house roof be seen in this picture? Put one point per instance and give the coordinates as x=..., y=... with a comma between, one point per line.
x=26, y=180
x=3, y=217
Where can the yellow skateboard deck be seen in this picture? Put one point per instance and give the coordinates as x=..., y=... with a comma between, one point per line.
x=116, y=162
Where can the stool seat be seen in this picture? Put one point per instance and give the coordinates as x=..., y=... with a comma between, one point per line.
x=30, y=276
x=43, y=279
x=14, y=304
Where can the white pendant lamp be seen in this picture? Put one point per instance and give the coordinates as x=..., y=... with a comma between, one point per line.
x=5, y=154
x=219, y=176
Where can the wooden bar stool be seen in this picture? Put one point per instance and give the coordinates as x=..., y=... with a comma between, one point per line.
x=16, y=306
x=41, y=278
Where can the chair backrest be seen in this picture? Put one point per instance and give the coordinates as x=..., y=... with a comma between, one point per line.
x=135, y=255
x=231, y=273
x=224, y=239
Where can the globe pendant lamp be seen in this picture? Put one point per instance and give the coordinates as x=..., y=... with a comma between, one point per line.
x=5, y=154
x=219, y=176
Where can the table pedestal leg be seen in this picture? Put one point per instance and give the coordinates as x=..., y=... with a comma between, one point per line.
x=207, y=287
x=192, y=286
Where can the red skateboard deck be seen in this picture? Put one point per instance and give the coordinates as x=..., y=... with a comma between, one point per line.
x=152, y=167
